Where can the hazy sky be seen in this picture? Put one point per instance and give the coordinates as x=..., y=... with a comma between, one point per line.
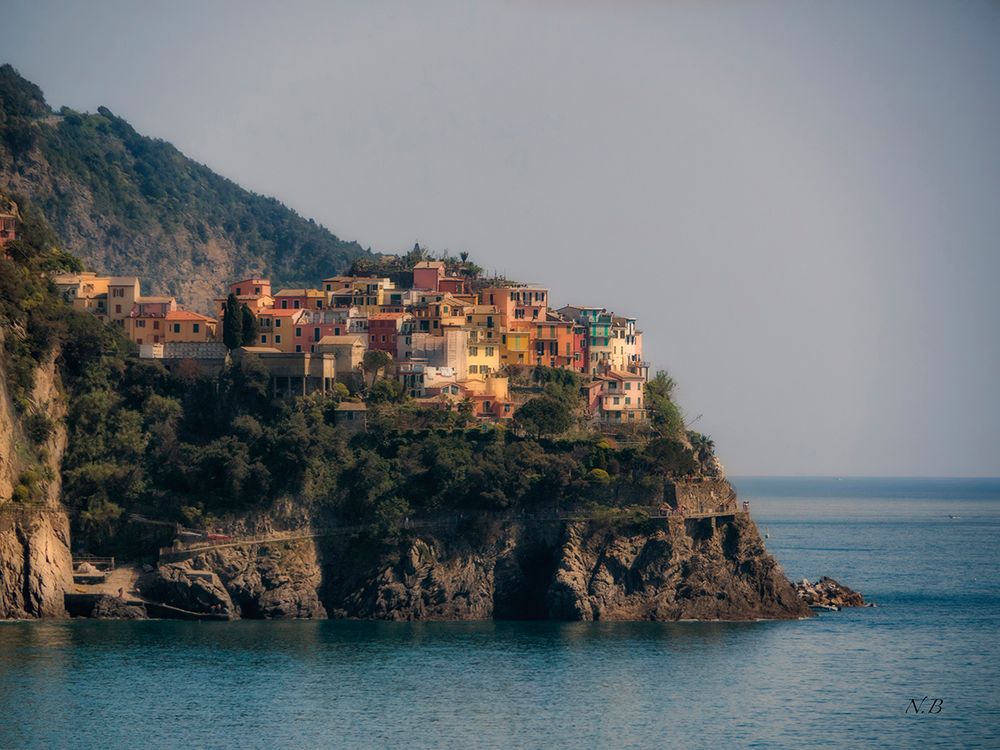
x=799, y=200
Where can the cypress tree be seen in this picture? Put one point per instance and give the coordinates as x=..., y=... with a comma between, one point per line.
x=232, y=323
x=250, y=327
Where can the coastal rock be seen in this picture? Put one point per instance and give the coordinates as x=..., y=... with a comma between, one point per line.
x=270, y=581
x=681, y=569
x=36, y=567
x=424, y=581
x=688, y=570
x=827, y=593
x=187, y=588
x=113, y=608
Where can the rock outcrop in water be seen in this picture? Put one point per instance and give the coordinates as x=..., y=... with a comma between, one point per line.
x=826, y=593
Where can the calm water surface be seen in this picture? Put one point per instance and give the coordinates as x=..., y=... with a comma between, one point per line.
x=840, y=680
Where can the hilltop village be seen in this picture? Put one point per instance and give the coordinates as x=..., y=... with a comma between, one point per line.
x=445, y=337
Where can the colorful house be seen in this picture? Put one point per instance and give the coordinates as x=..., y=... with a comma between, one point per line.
x=621, y=398
x=254, y=293
x=553, y=343
x=277, y=328
x=123, y=293
x=431, y=275
x=517, y=301
x=86, y=292
x=183, y=326
x=597, y=321
x=146, y=323
x=295, y=299
x=384, y=330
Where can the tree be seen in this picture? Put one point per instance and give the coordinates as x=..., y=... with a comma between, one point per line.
x=250, y=326
x=544, y=416
x=664, y=412
x=232, y=323
x=374, y=361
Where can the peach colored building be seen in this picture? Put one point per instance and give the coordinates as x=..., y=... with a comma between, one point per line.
x=183, y=326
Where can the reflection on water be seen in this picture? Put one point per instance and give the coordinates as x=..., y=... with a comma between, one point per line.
x=843, y=679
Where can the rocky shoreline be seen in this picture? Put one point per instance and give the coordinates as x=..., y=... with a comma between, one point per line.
x=828, y=594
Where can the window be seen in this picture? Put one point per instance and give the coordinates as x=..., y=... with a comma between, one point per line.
x=238, y=291
x=196, y=327
x=117, y=292
x=118, y=308
x=616, y=400
x=177, y=327
x=156, y=325
x=256, y=290
x=316, y=336
x=277, y=339
x=298, y=332
x=628, y=386
x=383, y=339
x=298, y=348
x=284, y=304
x=628, y=401
x=473, y=351
x=263, y=339
x=277, y=322
x=473, y=369
x=140, y=323
x=489, y=351
x=373, y=338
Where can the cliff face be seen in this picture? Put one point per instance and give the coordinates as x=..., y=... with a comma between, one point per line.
x=681, y=570
x=35, y=562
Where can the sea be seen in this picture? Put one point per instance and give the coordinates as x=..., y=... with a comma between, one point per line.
x=920, y=670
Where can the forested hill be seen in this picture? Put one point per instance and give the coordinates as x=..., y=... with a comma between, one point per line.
x=126, y=203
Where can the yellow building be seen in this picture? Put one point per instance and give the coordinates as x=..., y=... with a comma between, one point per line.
x=515, y=347
x=277, y=328
x=86, y=292
x=183, y=326
x=123, y=293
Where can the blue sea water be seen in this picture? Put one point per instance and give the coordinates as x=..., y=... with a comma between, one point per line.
x=924, y=550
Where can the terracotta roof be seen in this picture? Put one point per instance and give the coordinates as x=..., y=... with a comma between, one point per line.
x=335, y=340
x=154, y=299
x=282, y=312
x=186, y=315
x=619, y=375
x=300, y=293
x=387, y=316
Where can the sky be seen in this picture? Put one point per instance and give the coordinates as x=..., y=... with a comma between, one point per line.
x=800, y=201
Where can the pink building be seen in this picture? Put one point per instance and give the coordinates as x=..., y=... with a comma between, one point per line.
x=384, y=330
x=430, y=275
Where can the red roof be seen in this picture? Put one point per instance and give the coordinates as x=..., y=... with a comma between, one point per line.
x=386, y=316
x=285, y=312
x=186, y=315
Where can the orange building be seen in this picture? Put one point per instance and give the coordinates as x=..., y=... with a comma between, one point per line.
x=183, y=326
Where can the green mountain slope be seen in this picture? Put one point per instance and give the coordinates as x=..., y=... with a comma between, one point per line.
x=126, y=203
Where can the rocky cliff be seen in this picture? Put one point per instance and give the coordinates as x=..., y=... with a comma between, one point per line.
x=661, y=569
x=35, y=560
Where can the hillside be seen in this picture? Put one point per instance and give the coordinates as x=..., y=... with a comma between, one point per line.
x=125, y=203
